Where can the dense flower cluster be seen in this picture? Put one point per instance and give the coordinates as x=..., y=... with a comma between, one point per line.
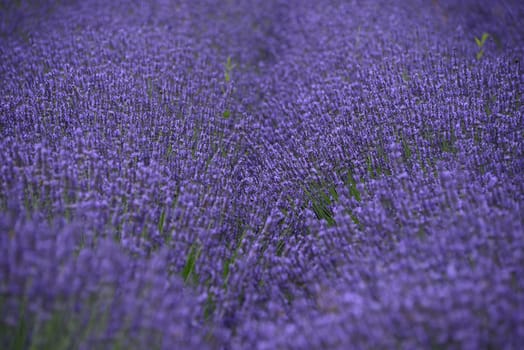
x=261, y=174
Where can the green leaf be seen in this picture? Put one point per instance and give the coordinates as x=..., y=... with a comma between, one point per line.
x=21, y=331
x=333, y=193
x=353, y=187
x=480, y=54
x=161, y=221
x=479, y=43
x=149, y=84
x=192, y=257
x=320, y=202
x=210, y=306
x=228, y=68
x=485, y=36
x=226, y=114
x=228, y=262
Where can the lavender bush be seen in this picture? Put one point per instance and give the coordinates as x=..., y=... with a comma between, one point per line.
x=261, y=174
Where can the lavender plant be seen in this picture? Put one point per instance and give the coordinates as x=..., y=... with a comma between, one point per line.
x=265, y=174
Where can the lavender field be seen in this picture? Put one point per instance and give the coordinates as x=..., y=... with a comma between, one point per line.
x=261, y=174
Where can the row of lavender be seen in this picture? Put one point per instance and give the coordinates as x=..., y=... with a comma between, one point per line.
x=268, y=174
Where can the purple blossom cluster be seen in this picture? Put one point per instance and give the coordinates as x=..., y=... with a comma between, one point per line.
x=261, y=174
